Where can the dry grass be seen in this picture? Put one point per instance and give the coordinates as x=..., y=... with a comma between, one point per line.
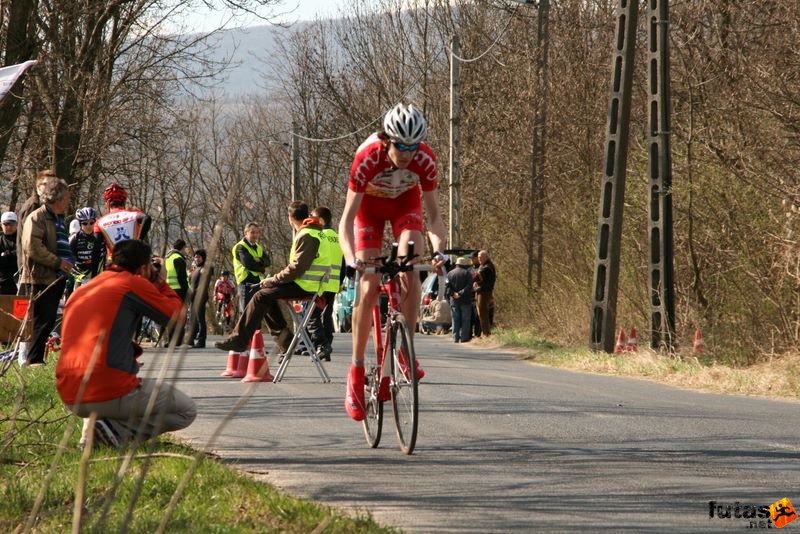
x=774, y=377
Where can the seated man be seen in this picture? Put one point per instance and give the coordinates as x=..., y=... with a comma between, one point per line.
x=300, y=279
x=436, y=317
x=97, y=370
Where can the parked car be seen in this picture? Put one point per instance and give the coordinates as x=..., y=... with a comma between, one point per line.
x=343, y=307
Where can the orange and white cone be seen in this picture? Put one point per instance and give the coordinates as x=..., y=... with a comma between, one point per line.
x=620, y=346
x=241, y=367
x=257, y=366
x=633, y=343
x=233, y=365
x=699, y=346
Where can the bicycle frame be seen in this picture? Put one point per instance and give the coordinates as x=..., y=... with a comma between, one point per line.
x=381, y=335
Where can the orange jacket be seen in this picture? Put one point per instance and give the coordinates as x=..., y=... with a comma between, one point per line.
x=101, y=317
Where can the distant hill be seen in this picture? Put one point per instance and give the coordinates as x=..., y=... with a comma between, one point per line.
x=250, y=50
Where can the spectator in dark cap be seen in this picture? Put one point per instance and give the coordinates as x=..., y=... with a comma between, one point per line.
x=8, y=254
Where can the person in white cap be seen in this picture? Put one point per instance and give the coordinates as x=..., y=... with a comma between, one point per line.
x=8, y=254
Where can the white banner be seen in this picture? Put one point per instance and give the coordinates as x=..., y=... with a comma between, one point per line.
x=9, y=76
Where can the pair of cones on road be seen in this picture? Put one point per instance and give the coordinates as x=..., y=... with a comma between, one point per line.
x=250, y=366
x=630, y=344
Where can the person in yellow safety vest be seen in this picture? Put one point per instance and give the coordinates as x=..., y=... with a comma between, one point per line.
x=250, y=263
x=177, y=279
x=320, y=326
x=300, y=279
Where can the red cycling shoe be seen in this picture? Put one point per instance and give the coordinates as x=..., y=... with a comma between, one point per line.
x=404, y=366
x=354, y=398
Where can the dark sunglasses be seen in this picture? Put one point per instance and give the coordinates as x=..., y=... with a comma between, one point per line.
x=87, y=223
x=402, y=147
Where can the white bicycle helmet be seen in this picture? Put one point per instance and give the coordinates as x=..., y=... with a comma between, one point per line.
x=86, y=214
x=405, y=124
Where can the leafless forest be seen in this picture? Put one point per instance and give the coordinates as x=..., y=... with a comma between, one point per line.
x=116, y=97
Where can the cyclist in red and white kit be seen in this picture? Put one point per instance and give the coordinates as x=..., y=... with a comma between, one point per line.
x=120, y=223
x=392, y=169
x=224, y=288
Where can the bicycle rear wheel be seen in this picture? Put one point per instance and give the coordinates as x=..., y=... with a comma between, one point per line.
x=405, y=399
x=373, y=422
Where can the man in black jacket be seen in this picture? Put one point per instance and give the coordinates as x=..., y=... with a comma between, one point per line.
x=8, y=254
x=484, y=289
x=198, y=295
x=459, y=283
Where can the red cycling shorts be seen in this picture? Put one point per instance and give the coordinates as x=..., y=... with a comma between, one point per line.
x=403, y=212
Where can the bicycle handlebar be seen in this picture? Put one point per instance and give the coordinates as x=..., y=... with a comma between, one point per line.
x=392, y=267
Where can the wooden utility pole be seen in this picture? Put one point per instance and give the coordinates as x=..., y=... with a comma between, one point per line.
x=294, y=148
x=538, y=152
x=455, y=175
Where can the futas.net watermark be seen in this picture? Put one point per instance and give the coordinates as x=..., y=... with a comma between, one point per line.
x=775, y=515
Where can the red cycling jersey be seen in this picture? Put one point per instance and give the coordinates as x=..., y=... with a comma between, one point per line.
x=224, y=287
x=390, y=194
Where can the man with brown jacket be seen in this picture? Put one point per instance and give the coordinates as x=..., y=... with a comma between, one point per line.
x=46, y=261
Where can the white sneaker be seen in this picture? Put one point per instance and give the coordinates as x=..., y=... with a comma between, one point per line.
x=104, y=433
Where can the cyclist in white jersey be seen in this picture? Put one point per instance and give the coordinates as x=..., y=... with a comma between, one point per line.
x=120, y=223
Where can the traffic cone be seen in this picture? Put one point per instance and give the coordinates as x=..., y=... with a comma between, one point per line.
x=620, y=346
x=257, y=366
x=632, y=342
x=698, y=347
x=233, y=365
x=241, y=367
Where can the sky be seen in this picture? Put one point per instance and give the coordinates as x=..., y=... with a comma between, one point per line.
x=293, y=10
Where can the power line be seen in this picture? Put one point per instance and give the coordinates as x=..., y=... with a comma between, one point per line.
x=497, y=40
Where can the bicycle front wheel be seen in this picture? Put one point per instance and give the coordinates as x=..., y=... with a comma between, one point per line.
x=373, y=422
x=405, y=399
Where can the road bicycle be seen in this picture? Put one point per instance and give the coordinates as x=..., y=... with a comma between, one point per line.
x=393, y=373
x=224, y=313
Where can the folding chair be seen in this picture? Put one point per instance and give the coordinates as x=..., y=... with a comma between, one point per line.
x=300, y=318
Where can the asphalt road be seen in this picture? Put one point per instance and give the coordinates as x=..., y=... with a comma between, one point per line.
x=508, y=446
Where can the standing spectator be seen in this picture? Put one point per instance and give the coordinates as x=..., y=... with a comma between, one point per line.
x=476, y=324
x=46, y=262
x=97, y=353
x=300, y=279
x=30, y=205
x=198, y=282
x=459, y=282
x=87, y=247
x=120, y=222
x=484, y=289
x=178, y=280
x=8, y=254
x=250, y=263
x=320, y=326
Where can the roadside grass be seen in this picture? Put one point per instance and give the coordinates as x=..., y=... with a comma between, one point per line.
x=217, y=499
x=776, y=376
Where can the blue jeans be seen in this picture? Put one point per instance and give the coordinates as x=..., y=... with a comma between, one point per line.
x=462, y=320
